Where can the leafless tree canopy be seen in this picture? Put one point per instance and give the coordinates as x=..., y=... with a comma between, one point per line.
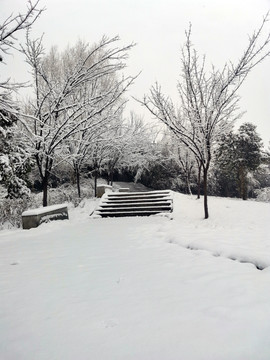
x=8, y=32
x=13, y=24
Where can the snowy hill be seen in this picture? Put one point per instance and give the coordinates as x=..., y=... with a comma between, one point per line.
x=139, y=288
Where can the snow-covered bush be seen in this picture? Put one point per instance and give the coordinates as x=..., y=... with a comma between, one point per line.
x=12, y=209
x=263, y=194
x=68, y=193
x=15, y=159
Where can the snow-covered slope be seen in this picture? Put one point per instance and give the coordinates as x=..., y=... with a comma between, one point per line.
x=139, y=288
x=236, y=229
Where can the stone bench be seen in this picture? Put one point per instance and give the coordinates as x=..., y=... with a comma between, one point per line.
x=33, y=218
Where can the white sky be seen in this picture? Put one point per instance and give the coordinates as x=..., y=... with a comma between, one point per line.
x=220, y=30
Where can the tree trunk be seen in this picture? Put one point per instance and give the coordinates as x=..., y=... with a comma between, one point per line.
x=242, y=184
x=111, y=178
x=188, y=189
x=245, y=195
x=45, y=182
x=95, y=182
x=244, y=187
x=77, y=171
x=45, y=178
x=199, y=182
x=206, y=214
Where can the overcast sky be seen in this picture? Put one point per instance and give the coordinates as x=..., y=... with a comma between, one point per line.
x=220, y=30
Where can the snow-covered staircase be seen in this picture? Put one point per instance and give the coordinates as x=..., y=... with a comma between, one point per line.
x=117, y=204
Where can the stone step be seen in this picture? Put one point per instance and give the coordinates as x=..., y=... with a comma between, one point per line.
x=141, y=208
x=137, y=197
x=130, y=213
x=134, y=201
x=138, y=194
x=145, y=193
x=135, y=204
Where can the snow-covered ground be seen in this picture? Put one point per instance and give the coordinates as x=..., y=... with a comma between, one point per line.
x=139, y=288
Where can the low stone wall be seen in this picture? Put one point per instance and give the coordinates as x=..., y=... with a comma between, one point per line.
x=123, y=190
x=101, y=189
x=33, y=218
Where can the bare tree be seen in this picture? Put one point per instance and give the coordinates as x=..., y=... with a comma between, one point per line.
x=99, y=154
x=60, y=108
x=92, y=145
x=208, y=100
x=8, y=32
x=79, y=147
